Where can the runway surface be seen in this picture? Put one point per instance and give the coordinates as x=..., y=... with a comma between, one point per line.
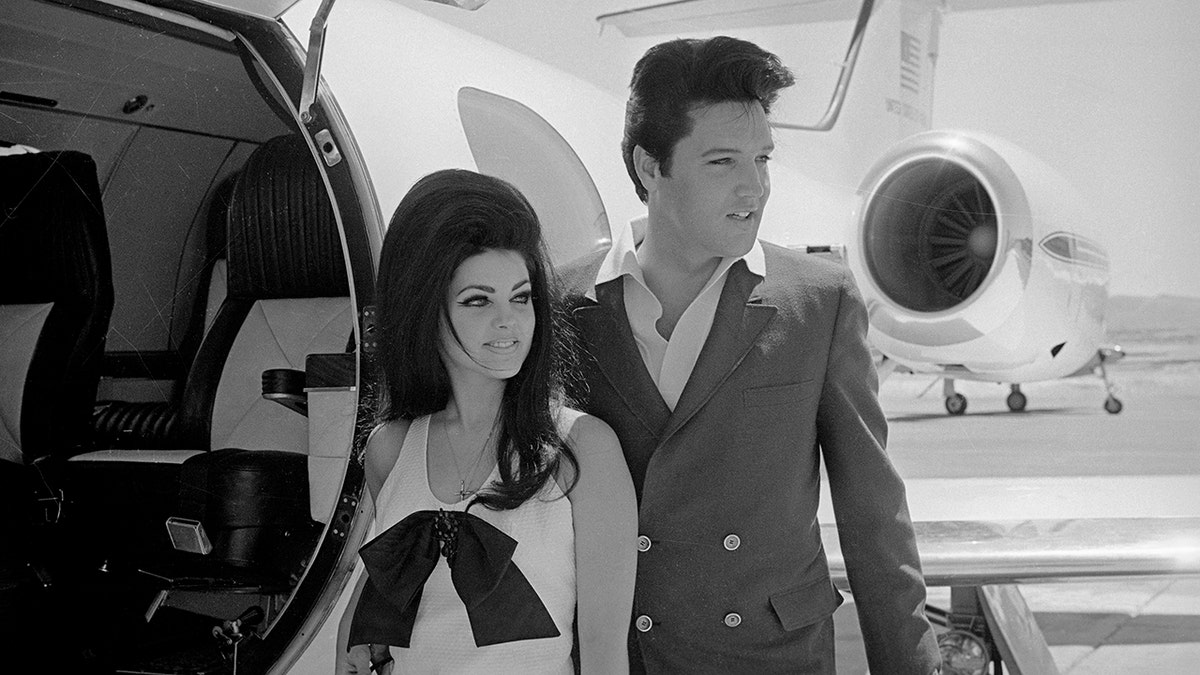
x=1065, y=457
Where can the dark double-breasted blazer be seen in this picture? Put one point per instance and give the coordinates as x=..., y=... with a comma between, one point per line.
x=732, y=575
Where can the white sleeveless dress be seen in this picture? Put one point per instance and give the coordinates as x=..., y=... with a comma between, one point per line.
x=442, y=641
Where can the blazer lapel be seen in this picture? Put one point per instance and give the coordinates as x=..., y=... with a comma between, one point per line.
x=609, y=340
x=736, y=325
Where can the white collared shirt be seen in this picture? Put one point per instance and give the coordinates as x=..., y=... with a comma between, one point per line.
x=669, y=362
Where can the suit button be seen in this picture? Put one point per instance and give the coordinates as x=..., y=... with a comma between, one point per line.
x=643, y=543
x=732, y=542
x=643, y=623
x=733, y=619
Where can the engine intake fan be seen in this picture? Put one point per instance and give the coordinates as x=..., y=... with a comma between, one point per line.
x=930, y=235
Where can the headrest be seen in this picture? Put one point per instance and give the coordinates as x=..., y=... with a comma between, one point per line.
x=282, y=235
x=53, y=242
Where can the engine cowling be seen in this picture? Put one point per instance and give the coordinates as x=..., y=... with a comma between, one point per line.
x=967, y=253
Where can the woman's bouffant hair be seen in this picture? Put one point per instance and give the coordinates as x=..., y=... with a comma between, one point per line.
x=446, y=218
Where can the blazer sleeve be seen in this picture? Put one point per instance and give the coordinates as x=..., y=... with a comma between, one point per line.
x=869, y=502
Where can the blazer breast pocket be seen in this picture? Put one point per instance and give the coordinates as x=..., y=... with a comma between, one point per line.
x=779, y=394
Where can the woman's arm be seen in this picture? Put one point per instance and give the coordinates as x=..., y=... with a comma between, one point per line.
x=383, y=447
x=604, y=510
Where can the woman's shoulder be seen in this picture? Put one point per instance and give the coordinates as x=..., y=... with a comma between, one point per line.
x=383, y=446
x=583, y=431
x=386, y=434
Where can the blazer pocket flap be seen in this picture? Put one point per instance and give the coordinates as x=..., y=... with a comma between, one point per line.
x=778, y=394
x=800, y=606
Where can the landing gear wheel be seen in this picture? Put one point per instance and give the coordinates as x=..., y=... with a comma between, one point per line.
x=1016, y=401
x=956, y=404
x=1113, y=405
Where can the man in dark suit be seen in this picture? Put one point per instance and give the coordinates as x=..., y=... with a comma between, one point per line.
x=730, y=368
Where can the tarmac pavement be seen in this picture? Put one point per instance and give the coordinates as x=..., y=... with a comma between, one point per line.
x=1064, y=457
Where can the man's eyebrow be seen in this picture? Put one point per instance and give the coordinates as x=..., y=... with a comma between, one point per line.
x=767, y=149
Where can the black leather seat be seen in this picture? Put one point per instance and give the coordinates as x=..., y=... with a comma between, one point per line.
x=56, y=297
x=287, y=296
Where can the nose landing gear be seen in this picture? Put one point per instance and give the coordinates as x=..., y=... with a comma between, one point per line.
x=956, y=403
x=1112, y=404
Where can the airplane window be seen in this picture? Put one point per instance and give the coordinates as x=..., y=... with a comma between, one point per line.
x=1072, y=248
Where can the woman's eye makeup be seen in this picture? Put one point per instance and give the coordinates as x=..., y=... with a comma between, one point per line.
x=474, y=301
x=482, y=299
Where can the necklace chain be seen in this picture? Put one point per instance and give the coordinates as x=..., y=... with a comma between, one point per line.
x=463, y=492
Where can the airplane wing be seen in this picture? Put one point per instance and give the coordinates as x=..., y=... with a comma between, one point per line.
x=702, y=15
x=989, y=552
x=983, y=537
x=1049, y=528
x=984, y=561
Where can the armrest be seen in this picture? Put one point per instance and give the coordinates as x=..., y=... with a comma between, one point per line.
x=285, y=386
x=331, y=371
x=288, y=386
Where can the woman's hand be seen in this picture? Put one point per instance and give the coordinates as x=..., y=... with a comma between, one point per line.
x=355, y=661
x=366, y=660
x=381, y=659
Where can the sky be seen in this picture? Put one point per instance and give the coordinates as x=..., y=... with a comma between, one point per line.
x=1105, y=92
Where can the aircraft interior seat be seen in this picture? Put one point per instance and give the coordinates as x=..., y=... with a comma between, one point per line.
x=56, y=297
x=141, y=487
x=241, y=459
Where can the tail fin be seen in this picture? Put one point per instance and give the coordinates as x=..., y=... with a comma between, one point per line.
x=890, y=96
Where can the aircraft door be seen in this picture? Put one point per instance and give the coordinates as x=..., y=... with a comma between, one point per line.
x=511, y=141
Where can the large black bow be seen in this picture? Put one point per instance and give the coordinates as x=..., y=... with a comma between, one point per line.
x=501, y=605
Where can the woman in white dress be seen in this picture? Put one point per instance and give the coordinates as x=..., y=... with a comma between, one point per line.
x=506, y=522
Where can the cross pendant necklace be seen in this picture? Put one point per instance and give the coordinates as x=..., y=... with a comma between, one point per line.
x=463, y=492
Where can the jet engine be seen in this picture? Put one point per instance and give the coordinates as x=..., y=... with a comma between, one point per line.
x=968, y=254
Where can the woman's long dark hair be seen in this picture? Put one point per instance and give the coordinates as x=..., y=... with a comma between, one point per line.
x=447, y=217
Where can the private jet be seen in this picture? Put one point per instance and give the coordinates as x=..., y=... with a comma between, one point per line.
x=194, y=197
